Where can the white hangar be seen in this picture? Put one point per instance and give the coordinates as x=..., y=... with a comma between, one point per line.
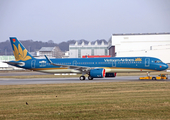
x=145, y=44
x=78, y=50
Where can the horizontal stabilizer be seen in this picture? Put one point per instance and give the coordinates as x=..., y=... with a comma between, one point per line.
x=12, y=63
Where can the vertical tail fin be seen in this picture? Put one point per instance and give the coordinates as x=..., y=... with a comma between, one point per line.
x=19, y=50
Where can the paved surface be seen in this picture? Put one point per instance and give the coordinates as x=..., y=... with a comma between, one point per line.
x=21, y=73
x=15, y=81
x=11, y=81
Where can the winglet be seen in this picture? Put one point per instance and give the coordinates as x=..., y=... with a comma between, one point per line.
x=48, y=59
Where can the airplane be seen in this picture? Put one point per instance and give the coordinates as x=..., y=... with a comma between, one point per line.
x=94, y=67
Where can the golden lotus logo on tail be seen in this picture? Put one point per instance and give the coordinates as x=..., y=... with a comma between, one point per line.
x=138, y=59
x=20, y=54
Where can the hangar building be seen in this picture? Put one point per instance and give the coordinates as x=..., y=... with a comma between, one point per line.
x=145, y=44
x=78, y=50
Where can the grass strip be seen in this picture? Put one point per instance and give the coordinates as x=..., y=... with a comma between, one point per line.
x=118, y=100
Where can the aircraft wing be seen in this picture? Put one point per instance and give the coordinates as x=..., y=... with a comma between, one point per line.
x=80, y=68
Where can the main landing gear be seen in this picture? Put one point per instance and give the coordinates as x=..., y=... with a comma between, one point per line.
x=83, y=78
x=90, y=78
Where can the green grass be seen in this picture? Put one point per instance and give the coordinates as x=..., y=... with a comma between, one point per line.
x=138, y=100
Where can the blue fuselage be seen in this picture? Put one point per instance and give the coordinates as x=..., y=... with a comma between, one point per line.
x=113, y=64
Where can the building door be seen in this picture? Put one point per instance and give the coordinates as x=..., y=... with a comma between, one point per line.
x=147, y=62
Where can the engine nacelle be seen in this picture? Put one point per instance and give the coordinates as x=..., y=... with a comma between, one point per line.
x=110, y=75
x=97, y=73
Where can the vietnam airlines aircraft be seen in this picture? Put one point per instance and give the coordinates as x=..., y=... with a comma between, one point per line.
x=94, y=67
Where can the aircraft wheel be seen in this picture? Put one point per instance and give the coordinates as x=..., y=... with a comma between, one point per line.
x=82, y=77
x=90, y=78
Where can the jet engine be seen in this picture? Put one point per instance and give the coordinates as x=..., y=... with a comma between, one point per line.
x=97, y=73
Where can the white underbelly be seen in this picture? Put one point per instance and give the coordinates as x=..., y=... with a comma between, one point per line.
x=59, y=71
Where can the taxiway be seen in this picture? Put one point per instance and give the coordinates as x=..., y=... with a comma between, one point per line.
x=12, y=81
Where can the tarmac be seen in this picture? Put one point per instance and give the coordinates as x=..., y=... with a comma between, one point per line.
x=14, y=81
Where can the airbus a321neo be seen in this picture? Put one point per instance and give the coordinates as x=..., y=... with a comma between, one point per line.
x=94, y=67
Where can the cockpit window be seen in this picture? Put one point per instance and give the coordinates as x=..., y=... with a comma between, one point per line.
x=158, y=61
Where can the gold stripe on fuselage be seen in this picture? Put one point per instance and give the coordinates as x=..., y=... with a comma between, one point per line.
x=108, y=70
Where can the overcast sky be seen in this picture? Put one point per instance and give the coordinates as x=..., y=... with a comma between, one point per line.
x=62, y=20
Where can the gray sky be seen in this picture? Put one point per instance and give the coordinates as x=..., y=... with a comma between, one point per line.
x=62, y=20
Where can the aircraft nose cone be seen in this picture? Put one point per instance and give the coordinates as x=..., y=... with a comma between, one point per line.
x=165, y=66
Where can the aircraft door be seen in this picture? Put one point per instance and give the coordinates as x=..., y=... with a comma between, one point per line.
x=75, y=63
x=147, y=62
x=114, y=64
x=33, y=63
